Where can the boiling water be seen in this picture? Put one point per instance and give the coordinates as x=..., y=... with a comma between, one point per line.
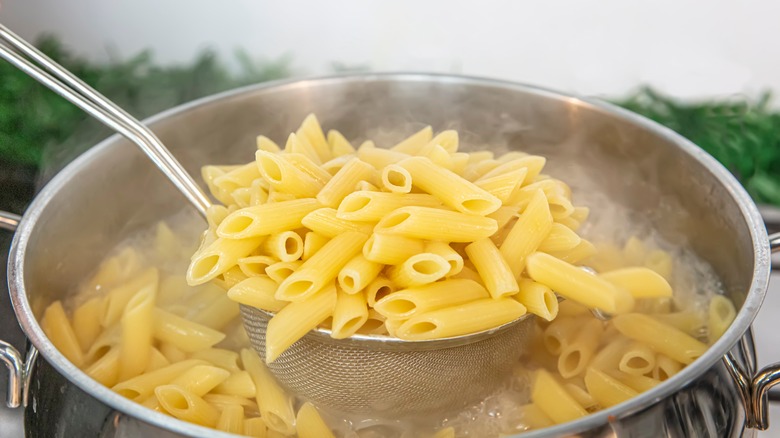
x=693, y=280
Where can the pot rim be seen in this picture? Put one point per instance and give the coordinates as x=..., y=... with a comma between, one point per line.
x=741, y=324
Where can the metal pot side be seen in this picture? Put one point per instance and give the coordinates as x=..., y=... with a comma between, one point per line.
x=112, y=191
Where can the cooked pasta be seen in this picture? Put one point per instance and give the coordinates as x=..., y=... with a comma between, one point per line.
x=418, y=242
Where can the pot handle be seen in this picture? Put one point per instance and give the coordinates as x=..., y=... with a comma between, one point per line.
x=755, y=391
x=19, y=370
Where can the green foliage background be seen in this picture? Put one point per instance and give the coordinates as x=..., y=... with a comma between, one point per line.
x=743, y=133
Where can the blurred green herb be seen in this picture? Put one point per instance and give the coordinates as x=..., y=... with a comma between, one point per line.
x=741, y=133
x=34, y=119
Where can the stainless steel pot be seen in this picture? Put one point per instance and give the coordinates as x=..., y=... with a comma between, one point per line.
x=112, y=191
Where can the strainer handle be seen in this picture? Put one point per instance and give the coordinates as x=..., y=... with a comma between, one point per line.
x=19, y=369
x=54, y=76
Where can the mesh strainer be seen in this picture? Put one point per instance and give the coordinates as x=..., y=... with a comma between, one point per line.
x=377, y=375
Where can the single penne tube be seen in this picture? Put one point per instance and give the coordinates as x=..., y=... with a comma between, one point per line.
x=390, y=249
x=344, y=182
x=378, y=157
x=201, y=379
x=396, y=179
x=254, y=266
x=444, y=250
x=255, y=427
x=525, y=236
x=311, y=130
x=365, y=186
x=230, y=278
x=560, y=206
x=59, y=331
x=266, y=144
x=495, y=271
x=452, y=189
x=285, y=246
x=231, y=419
x=312, y=242
x=665, y=367
x=172, y=353
x=537, y=298
x=661, y=262
x=461, y=319
x=378, y=289
x=218, y=314
x=502, y=186
x=274, y=404
x=275, y=197
x=105, y=369
x=142, y=386
x=279, y=271
x=285, y=177
x=637, y=383
x=533, y=416
x=553, y=399
x=218, y=257
x=309, y=423
x=660, y=337
x=219, y=357
x=266, y=219
x=637, y=360
x=533, y=164
x=405, y=303
x=374, y=325
x=436, y=224
x=581, y=396
x=578, y=285
x=257, y=292
x=108, y=339
x=607, y=390
x=373, y=206
x=137, y=332
x=410, y=145
x=115, y=301
x=186, y=335
x=447, y=139
x=721, y=314
x=86, y=322
x=350, y=313
x=209, y=174
x=392, y=326
x=560, y=238
x=335, y=165
x=325, y=222
x=309, y=166
x=608, y=358
x=186, y=406
x=339, y=145
x=322, y=268
x=688, y=322
x=297, y=318
x=358, y=273
x=583, y=251
x=418, y=269
x=559, y=334
x=239, y=384
x=580, y=350
x=240, y=177
x=639, y=282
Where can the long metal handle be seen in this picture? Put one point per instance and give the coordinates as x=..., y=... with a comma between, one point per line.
x=61, y=81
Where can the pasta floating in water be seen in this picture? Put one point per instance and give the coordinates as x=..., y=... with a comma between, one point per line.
x=419, y=241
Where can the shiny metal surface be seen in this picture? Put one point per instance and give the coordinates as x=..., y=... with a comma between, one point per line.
x=378, y=375
x=64, y=83
x=9, y=221
x=13, y=361
x=651, y=170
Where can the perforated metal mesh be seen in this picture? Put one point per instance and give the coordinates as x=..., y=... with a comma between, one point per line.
x=373, y=378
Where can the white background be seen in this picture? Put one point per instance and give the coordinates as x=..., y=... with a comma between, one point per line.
x=605, y=47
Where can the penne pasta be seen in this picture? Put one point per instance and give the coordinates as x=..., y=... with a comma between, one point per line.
x=418, y=269
x=396, y=179
x=436, y=224
x=135, y=344
x=339, y=145
x=527, y=233
x=285, y=246
x=496, y=273
x=606, y=390
x=309, y=424
x=184, y=334
x=325, y=222
x=412, y=144
x=358, y=273
x=344, y=182
x=231, y=419
x=266, y=219
x=553, y=399
x=186, y=406
x=446, y=252
x=349, y=314
x=406, y=303
x=639, y=282
x=538, y=299
x=453, y=190
x=458, y=320
x=373, y=206
x=59, y=331
x=275, y=406
x=279, y=272
x=257, y=292
x=660, y=337
x=721, y=314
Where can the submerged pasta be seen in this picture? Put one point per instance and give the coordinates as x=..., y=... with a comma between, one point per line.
x=418, y=241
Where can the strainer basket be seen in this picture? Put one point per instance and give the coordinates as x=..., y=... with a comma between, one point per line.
x=379, y=375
